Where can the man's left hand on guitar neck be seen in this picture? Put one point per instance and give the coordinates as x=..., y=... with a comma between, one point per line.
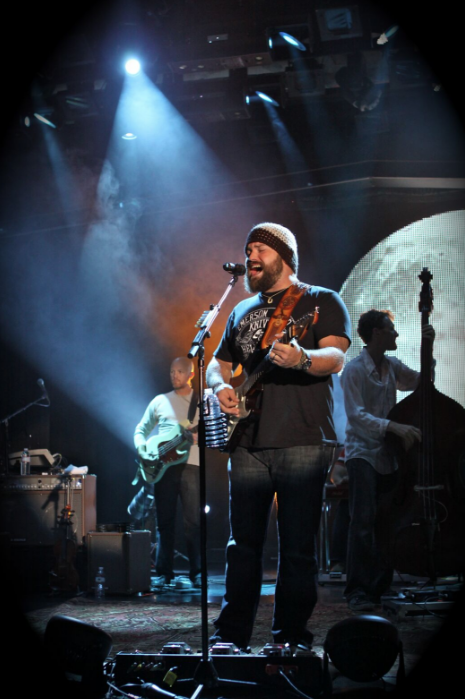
x=286, y=356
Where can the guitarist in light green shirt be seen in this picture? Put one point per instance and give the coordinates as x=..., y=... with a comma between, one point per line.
x=169, y=464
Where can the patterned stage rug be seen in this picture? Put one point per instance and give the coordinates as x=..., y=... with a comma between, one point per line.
x=146, y=623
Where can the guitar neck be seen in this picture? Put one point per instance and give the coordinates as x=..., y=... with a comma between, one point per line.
x=165, y=447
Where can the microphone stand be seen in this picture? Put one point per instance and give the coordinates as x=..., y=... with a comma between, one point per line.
x=5, y=421
x=205, y=674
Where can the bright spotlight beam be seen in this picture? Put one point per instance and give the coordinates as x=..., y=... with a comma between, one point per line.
x=267, y=98
x=132, y=66
x=44, y=120
x=293, y=41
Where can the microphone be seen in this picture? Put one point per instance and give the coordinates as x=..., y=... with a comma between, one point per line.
x=238, y=270
x=41, y=383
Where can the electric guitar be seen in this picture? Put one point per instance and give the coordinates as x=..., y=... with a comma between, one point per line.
x=247, y=389
x=168, y=449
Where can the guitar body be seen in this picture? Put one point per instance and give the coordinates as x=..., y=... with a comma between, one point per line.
x=167, y=450
x=251, y=401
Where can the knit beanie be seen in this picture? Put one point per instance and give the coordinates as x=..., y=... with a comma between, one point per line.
x=279, y=238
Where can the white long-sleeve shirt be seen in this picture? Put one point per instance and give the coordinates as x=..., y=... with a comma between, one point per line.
x=368, y=400
x=167, y=410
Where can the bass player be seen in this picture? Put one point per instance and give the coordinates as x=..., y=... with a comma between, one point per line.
x=281, y=452
x=176, y=408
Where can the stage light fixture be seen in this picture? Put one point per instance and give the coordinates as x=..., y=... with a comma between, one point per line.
x=266, y=98
x=129, y=136
x=385, y=36
x=44, y=120
x=285, y=41
x=292, y=41
x=132, y=66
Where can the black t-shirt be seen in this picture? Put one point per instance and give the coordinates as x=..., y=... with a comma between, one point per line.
x=296, y=407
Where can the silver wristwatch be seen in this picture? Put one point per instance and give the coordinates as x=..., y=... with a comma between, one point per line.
x=305, y=362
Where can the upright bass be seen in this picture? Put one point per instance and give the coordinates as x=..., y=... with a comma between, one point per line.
x=427, y=516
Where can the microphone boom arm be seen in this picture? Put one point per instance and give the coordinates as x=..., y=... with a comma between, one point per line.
x=4, y=461
x=208, y=318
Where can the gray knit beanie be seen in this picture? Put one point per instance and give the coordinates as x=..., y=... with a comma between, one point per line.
x=279, y=238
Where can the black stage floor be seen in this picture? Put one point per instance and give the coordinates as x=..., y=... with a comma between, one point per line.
x=428, y=621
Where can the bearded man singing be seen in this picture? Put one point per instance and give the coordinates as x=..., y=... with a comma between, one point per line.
x=281, y=452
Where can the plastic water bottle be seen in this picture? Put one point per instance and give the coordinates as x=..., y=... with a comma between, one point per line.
x=216, y=424
x=25, y=468
x=99, y=586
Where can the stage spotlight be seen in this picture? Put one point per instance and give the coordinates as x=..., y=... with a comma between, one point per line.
x=364, y=648
x=266, y=98
x=385, y=36
x=132, y=66
x=129, y=136
x=44, y=120
x=292, y=41
x=285, y=42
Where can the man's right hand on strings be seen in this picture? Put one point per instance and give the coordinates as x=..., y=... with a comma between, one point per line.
x=228, y=401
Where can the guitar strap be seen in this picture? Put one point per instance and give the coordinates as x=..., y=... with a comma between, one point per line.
x=282, y=313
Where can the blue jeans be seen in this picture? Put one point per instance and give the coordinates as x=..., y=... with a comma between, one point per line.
x=369, y=571
x=180, y=480
x=296, y=475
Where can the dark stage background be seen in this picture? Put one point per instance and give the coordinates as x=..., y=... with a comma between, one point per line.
x=111, y=250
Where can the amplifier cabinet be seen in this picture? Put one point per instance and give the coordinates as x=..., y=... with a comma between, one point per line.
x=125, y=558
x=31, y=507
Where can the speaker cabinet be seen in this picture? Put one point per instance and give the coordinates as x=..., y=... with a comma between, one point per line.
x=31, y=507
x=125, y=558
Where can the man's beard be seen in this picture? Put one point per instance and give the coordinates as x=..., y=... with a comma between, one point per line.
x=268, y=278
